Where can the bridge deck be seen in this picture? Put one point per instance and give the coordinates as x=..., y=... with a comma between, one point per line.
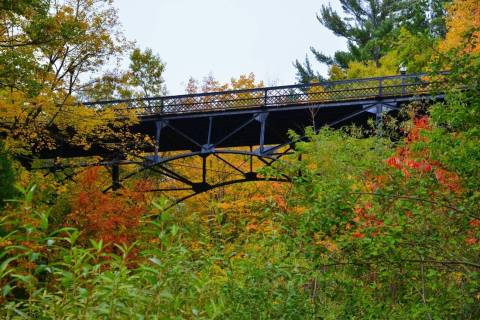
x=235, y=118
x=293, y=95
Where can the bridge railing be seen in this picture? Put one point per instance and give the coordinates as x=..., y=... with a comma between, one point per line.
x=314, y=93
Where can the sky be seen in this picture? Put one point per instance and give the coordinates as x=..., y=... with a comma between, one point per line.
x=228, y=38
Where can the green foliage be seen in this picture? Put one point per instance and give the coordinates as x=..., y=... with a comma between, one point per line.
x=456, y=140
x=24, y=7
x=305, y=72
x=147, y=70
x=7, y=176
x=367, y=26
x=373, y=227
x=144, y=78
x=426, y=17
x=388, y=242
x=379, y=33
x=44, y=270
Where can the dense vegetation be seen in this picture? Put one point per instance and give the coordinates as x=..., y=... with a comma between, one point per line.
x=373, y=226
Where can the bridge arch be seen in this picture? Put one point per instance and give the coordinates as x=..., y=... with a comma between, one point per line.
x=223, y=125
x=239, y=166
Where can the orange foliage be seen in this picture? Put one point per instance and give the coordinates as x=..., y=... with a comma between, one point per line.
x=113, y=218
x=463, y=27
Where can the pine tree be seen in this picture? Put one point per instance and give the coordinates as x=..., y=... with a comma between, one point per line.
x=370, y=28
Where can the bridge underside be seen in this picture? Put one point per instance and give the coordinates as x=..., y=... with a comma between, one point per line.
x=252, y=127
x=199, y=142
x=190, y=148
x=258, y=126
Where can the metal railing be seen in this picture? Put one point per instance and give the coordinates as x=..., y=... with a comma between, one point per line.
x=270, y=97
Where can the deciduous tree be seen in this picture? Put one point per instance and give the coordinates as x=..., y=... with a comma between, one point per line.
x=49, y=51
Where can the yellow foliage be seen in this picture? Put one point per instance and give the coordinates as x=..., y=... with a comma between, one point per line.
x=245, y=82
x=316, y=92
x=463, y=27
x=336, y=73
x=37, y=105
x=389, y=65
x=28, y=122
x=414, y=51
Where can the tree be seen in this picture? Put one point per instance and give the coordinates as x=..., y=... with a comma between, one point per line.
x=52, y=49
x=22, y=14
x=425, y=16
x=210, y=84
x=371, y=29
x=366, y=27
x=456, y=138
x=113, y=218
x=143, y=78
x=19, y=24
x=305, y=72
x=146, y=70
x=463, y=28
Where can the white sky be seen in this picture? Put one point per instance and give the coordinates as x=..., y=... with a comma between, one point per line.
x=227, y=37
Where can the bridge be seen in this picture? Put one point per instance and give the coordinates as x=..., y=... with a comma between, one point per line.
x=249, y=124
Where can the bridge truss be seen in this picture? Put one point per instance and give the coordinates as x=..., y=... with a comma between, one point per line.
x=245, y=130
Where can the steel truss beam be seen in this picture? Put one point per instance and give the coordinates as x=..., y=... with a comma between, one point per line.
x=165, y=166
x=268, y=155
x=255, y=113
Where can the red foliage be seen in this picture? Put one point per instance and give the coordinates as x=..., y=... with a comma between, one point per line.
x=419, y=125
x=472, y=241
x=409, y=214
x=418, y=162
x=471, y=234
x=447, y=179
x=366, y=218
x=358, y=235
x=111, y=217
x=475, y=223
x=412, y=163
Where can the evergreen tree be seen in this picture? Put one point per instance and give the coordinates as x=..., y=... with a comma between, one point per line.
x=370, y=28
x=425, y=16
x=305, y=72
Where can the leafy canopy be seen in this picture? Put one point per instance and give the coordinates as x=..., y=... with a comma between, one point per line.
x=373, y=29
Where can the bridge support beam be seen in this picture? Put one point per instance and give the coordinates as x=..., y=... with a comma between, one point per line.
x=208, y=148
x=262, y=119
x=115, y=176
x=159, y=127
x=378, y=113
x=379, y=118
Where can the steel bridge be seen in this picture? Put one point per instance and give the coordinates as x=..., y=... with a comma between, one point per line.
x=249, y=124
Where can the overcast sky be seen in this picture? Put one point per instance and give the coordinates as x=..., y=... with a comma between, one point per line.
x=227, y=37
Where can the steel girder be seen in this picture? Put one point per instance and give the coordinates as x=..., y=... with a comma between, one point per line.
x=266, y=155
x=247, y=124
